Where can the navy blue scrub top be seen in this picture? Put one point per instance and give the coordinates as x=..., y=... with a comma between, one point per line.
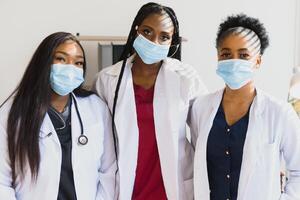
x=62, y=125
x=224, y=156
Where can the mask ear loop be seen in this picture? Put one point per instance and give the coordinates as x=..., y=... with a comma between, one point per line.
x=137, y=32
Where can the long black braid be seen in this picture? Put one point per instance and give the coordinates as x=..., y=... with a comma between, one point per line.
x=143, y=13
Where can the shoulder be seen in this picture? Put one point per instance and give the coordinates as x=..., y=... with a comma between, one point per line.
x=188, y=75
x=205, y=100
x=113, y=70
x=273, y=111
x=93, y=103
x=272, y=104
x=182, y=69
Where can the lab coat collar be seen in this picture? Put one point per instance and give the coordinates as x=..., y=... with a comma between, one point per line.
x=170, y=63
x=258, y=101
x=47, y=127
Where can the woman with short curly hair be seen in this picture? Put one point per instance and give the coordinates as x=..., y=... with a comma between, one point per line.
x=240, y=132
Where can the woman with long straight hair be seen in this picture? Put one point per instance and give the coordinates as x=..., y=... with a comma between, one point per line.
x=149, y=93
x=55, y=137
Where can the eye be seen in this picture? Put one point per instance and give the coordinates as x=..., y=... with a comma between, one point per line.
x=244, y=56
x=79, y=63
x=165, y=38
x=146, y=32
x=60, y=59
x=225, y=55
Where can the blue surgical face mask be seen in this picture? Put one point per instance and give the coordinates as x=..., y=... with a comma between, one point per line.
x=65, y=78
x=236, y=72
x=148, y=51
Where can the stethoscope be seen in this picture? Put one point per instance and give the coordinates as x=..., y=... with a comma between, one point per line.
x=82, y=139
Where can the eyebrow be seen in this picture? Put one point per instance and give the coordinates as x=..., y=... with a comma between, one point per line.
x=165, y=32
x=228, y=49
x=146, y=26
x=244, y=49
x=225, y=49
x=65, y=53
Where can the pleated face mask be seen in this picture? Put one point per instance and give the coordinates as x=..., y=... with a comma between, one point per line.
x=236, y=73
x=65, y=78
x=148, y=51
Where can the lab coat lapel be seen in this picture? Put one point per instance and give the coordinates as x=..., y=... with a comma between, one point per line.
x=47, y=130
x=165, y=106
x=253, y=144
x=201, y=184
x=127, y=130
x=47, y=127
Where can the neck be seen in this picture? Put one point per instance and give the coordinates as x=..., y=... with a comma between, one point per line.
x=59, y=102
x=139, y=67
x=244, y=94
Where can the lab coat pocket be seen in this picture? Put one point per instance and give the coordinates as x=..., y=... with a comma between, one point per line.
x=266, y=172
x=268, y=152
x=267, y=161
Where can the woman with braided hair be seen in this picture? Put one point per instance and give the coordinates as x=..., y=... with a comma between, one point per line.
x=149, y=93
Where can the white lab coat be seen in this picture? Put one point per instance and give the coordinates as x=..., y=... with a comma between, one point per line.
x=93, y=164
x=176, y=87
x=273, y=130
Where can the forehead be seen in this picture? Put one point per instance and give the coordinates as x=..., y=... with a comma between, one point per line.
x=70, y=47
x=235, y=42
x=160, y=22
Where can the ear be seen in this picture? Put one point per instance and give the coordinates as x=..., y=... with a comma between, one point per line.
x=258, y=62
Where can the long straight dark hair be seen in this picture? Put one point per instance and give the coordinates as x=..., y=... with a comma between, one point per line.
x=30, y=103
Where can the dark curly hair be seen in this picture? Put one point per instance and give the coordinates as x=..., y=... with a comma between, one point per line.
x=242, y=20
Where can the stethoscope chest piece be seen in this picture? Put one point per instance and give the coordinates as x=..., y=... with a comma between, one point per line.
x=82, y=139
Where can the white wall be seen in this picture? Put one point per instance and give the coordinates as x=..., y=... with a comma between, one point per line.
x=25, y=23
